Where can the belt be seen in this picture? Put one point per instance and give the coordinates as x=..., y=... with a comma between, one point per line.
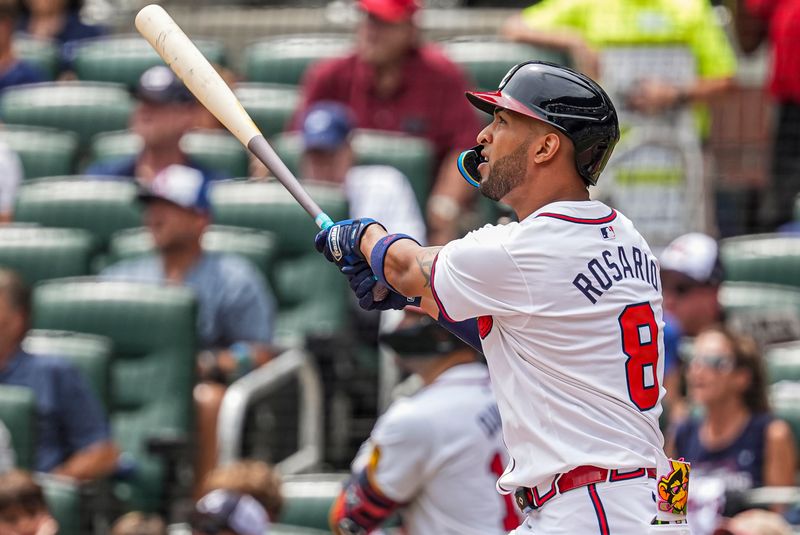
x=529, y=499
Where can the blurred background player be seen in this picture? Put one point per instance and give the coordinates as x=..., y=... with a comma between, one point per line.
x=73, y=435
x=165, y=112
x=434, y=456
x=236, y=307
x=393, y=81
x=370, y=189
x=23, y=509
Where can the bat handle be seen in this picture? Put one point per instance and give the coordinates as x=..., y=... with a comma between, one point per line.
x=379, y=291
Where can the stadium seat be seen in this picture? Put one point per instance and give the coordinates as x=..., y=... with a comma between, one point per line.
x=770, y=258
x=100, y=207
x=487, y=61
x=413, y=156
x=282, y=529
x=308, y=499
x=90, y=353
x=45, y=253
x=86, y=108
x=152, y=368
x=768, y=312
x=284, y=60
x=270, y=105
x=42, y=151
x=18, y=413
x=310, y=294
x=216, y=150
x=123, y=58
x=40, y=52
x=258, y=246
x=783, y=362
x=64, y=502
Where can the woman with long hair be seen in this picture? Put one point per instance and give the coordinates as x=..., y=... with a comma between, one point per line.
x=736, y=439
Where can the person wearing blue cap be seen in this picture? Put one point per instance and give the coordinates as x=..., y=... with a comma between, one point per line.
x=236, y=309
x=165, y=112
x=328, y=156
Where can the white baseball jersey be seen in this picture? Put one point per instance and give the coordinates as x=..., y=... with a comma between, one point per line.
x=440, y=452
x=569, y=308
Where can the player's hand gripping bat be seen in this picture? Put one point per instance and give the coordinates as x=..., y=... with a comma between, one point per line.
x=189, y=64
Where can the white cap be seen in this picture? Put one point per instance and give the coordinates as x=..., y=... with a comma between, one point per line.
x=695, y=255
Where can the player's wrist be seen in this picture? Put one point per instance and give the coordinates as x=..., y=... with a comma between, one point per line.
x=369, y=238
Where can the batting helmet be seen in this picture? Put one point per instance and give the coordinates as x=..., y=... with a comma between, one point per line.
x=570, y=101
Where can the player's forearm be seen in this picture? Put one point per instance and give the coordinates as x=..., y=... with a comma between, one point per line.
x=707, y=89
x=406, y=265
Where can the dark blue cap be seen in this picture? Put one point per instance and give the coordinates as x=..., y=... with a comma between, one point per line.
x=159, y=85
x=327, y=125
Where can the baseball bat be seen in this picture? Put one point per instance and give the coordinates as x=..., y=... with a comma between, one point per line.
x=205, y=83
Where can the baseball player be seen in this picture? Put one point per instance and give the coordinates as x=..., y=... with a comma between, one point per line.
x=435, y=455
x=565, y=305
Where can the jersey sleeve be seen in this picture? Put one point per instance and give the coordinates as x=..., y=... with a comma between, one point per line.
x=477, y=276
x=396, y=453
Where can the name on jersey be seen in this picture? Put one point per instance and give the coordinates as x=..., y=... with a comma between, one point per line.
x=612, y=266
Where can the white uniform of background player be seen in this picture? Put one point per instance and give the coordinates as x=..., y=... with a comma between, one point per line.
x=576, y=325
x=434, y=456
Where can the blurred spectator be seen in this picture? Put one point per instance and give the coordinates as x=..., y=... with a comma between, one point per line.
x=13, y=71
x=58, y=21
x=392, y=81
x=236, y=307
x=73, y=435
x=438, y=453
x=377, y=191
x=137, y=523
x=224, y=512
x=166, y=111
x=255, y=478
x=23, y=510
x=691, y=274
x=8, y=458
x=736, y=443
x=755, y=522
x=11, y=175
x=655, y=58
x=780, y=20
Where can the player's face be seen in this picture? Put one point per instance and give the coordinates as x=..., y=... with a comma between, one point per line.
x=173, y=227
x=712, y=375
x=505, y=147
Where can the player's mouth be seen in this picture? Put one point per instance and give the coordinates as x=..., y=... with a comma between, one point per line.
x=472, y=164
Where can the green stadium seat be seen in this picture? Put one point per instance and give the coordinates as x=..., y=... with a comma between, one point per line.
x=282, y=529
x=42, y=151
x=486, y=61
x=258, y=246
x=40, y=52
x=64, y=502
x=270, y=105
x=784, y=398
x=308, y=499
x=152, y=369
x=310, y=294
x=216, y=150
x=123, y=58
x=284, y=60
x=768, y=312
x=86, y=108
x=90, y=353
x=18, y=413
x=100, y=207
x=770, y=258
x=783, y=362
x=45, y=253
x=413, y=156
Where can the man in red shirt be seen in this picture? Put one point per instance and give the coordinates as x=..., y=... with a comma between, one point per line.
x=780, y=21
x=392, y=81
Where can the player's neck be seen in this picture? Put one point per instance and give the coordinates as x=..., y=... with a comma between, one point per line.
x=530, y=197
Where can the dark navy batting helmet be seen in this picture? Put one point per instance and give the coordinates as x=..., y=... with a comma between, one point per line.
x=570, y=101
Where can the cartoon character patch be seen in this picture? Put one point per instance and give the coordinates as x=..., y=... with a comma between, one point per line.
x=673, y=488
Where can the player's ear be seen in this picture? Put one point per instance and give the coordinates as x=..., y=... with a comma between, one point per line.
x=545, y=147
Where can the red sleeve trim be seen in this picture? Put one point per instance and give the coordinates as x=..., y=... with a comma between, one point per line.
x=600, y=221
x=435, y=295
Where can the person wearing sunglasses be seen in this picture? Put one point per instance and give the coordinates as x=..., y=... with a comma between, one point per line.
x=736, y=443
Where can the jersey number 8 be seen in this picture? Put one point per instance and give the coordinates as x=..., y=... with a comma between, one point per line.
x=640, y=345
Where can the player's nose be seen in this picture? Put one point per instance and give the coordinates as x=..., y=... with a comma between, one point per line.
x=485, y=135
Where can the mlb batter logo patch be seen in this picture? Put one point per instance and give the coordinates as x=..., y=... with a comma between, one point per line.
x=608, y=233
